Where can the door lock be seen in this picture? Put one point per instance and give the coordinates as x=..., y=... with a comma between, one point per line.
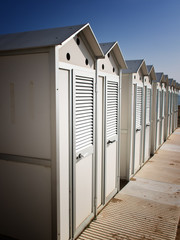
x=110, y=142
x=79, y=156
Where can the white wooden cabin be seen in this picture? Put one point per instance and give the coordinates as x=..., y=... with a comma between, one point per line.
x=156, y=113
x=168, y=104
x=166, y=107
x=47, y=132
x=162, y=109
x=174, y=107
x=171, y=93
x=176, y=93
x=108, y=122
x=148, y=112
x=132, y=117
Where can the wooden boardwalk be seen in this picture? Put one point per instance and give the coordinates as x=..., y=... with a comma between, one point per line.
x=148, y=207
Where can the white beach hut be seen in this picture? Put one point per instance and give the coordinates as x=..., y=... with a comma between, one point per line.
x=170, y=99
x=166, y=107
x=162, y=109
x=132, y=117
x=147, y=112
x=47, y=132
x=176, y=93
x=108, y=122
x=156, y=112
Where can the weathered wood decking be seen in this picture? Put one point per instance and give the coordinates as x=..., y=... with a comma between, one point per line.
x=148, y=207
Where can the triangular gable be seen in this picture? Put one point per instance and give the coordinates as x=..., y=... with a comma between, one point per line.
x=166, y=79
x=170, y=82
x=159, y=77
x=114, y=46
x=151, y=72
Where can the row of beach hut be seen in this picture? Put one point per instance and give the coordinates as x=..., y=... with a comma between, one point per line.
x=149, y=114
x=76, y=119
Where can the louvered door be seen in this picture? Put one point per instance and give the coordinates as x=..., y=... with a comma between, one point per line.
x=83, y=170
x=158, y=105
x=148, y=107
x=147, y=123
x=84, y=124
x=158, y=122
x=169, y=102
x=138, y=118
x=112, y=110
x=161, y=116
x=163, y=104
x=111, y=134
x=139, y=100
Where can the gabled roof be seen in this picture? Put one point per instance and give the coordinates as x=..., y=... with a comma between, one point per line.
x=166, y=79
x=160, y=77
x=114, y=46
x=177, y=85
x=134, y=66
x=151, y=72
x=174, y=83
x=106, y=47
x=149, y=68
x=171, y=81
x=48, y=37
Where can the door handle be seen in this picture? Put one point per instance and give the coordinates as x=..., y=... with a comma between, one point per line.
x=80, y=156
x=110, y=142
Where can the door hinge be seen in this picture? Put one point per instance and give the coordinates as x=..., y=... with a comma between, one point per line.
x=96, y=87
x=95, y=202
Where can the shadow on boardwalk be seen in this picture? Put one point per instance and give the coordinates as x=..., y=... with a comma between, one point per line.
x=147, y=207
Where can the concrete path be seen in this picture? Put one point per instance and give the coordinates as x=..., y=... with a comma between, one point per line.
x=148, y=207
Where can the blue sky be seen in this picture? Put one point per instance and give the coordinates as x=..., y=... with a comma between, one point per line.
x=148, y=29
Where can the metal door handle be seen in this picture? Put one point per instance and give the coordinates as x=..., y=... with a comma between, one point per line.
x=79, y=156
x=110, y=142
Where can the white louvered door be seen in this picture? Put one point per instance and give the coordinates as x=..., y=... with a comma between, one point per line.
x=169, y=117
x=139, y=108
x=148, y=107
x=83, y=147
x=111, y=134
x=138, y=127
x=147, y=125
x=162, y=116
x=157, y=118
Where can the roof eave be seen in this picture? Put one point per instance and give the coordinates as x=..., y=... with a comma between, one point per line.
x=120, y=59
x=162, y=78
x=152, y=73
x=90, y=36
x=144, y=68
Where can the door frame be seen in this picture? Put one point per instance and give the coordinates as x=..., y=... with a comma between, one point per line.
x=73, y=232
x=135, y=86
x=104, y=199
x=78, y=230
